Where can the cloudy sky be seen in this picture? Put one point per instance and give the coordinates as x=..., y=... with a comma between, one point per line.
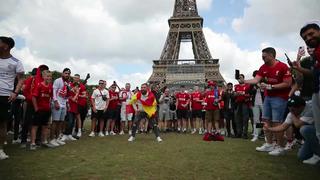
x=118, y=39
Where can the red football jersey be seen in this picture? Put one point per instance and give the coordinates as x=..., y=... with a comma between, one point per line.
x=210, y=100
x=43, y=95
x=317, y=57
x=28, y=85
x=195, y=97
x=244, y=89
x=113, y=104
x=182, y=99
x=275, y=75
x=82, y=99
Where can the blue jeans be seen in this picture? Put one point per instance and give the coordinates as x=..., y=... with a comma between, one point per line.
x=274, y=109
x=311, y=144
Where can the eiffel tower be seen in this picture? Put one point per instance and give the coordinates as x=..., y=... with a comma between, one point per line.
x=185, y=26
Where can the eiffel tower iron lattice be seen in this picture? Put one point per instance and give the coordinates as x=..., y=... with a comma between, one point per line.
x=185, y=25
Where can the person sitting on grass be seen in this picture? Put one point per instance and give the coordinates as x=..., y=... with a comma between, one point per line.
x=41, y=98
x=145, y=106
x=301, y=116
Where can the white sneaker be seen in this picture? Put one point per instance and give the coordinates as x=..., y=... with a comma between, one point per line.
x=193, y=131
x=79, y=134
x=265, y=148
x=18, y=141
x=121, y=133
x=288, y=146
x=5, y=143
x=200, y=131
x=92, y=134
x=101, y=134
x=312, y=161
x=3, y=155
x=159, y=139
x=131, y=138
x=254, y=139
x=130, y=132
x=71, y=138
x=107, y=133
x=63, y=138
x=112, y=133
x=54, y=143
x=277, y=151
x=59, y=142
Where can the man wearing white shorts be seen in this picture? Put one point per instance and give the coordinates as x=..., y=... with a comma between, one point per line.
x=126, y=112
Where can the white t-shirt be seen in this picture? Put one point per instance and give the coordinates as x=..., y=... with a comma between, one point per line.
x=60, y=92
x=128, y=95
x=306, y=116
x=258, y=98
x=100, y=104
x=9, y=68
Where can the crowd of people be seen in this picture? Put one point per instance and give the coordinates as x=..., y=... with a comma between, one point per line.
x=282, y=103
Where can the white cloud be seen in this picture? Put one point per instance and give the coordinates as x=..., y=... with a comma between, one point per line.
x=95, y=36
x=270, y=18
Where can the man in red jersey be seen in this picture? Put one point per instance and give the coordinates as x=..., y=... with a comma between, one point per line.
x=276, y=80
x=211, y=101
x=242, y=99
x=41, y=98
x=196, y=106
x=82, y=103
x=112, y=111
x=182, y=104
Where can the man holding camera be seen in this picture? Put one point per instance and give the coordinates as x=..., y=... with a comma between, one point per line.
x=301, y=117
x=276, y=80
x=99, y=101
x=310, y=33
x=242, y=99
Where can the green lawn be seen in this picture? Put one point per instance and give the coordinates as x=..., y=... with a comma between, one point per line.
x=177, y=157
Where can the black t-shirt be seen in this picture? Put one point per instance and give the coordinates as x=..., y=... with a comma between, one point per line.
x=307, y=84
x=172, y=104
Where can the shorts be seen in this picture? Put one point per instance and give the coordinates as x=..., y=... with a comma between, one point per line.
x=112, y=114
x=41, y=118
x=4, y=108
x=173, y=115
x=60, y=114
x=274, y=109
x=196, y=113
x=124, y=116
x=99, y=115
x=213, y=116
x=164, y=115
x=182, y=114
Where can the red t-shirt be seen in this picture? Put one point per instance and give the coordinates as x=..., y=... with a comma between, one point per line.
x=27, y=88
x=113, y=104
x=195, y=97
x=73, y=105
x=274, y=75
x=43, y=95
x=210, y=100
x=82, y=101
x=317, y=57
x=242, y=88
x=182, y=99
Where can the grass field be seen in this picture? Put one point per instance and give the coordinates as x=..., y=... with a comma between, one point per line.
x=177, y=157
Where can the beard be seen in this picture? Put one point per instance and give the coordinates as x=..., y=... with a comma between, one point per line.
x=313, y=43
x=144, y=92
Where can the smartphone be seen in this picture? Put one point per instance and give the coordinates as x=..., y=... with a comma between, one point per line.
x=288, y=59
x=237, y=74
